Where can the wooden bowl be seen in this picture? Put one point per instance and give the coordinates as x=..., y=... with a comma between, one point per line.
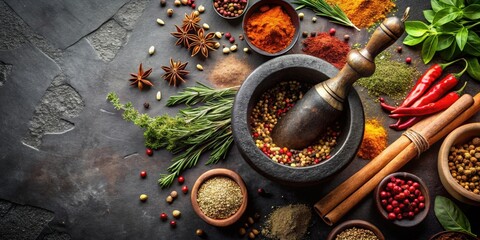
x=357, y=224
x=460, y=234
x=461, y=135
x=217, y=173
x=406, y=222
x=289, y=10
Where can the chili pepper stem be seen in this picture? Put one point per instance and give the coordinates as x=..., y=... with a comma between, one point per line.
x=444, y=65
x=460, y=91
x=458, y=75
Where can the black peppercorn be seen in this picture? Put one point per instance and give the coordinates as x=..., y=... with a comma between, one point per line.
x=146, y=105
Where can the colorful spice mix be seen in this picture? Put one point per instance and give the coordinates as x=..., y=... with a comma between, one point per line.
x=365, y=13
x=374, y=140
x=328, y=48
x=270, y=29
x=272, y=105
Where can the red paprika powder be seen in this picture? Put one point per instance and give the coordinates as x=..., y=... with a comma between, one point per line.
x=328, y=48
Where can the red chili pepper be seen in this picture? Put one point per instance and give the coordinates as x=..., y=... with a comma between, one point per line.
x=424, y=82
x=385, y=106
x=410, y=122
x=430, y=108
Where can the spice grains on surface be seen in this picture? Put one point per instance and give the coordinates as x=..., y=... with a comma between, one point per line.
x=288, y=222
x=219, y=197
x=356, y=234
x=328, y=48
x=230, y=72
x=365, y=13
x=374, y=141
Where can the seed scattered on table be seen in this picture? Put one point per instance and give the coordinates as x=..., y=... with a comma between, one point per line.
x=219, y=197
x=160, y=22
x=174, y=194
x=355, y=234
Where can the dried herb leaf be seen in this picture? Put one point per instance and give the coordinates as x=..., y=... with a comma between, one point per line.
x=450, y=216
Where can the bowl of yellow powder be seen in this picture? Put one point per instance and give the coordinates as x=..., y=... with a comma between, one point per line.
x=271, y=27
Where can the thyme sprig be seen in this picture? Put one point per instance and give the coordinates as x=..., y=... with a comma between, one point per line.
x=194, y=131
x=322, y=8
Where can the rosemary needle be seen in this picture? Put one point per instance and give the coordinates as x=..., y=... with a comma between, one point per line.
x=322, y=8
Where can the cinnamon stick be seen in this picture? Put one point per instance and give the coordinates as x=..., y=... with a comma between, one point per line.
x=431, y=129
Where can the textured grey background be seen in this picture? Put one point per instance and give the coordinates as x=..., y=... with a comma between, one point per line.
x=69, y=164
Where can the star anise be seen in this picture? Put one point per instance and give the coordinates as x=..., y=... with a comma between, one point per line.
x=175, y=72
x=182, y=36
x=139, y=79
x=201, y=42
x=190, y=22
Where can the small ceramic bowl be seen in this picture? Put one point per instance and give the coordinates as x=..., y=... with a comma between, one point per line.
x=243, y=3
x=452, y=235
x=357, y=224
x=288, y=8
x=460, y=135
x=405, y=222
x=219, y=172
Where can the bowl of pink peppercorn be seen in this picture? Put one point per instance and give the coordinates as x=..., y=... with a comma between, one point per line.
x=403, y=199
x=230, y=9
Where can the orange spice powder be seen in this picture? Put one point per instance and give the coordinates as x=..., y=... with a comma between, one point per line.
x=365, y=13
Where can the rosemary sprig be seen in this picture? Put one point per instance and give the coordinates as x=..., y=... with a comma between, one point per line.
x=194, y=131
x=322, y=8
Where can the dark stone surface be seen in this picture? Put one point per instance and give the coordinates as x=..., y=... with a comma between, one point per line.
x=84, y=183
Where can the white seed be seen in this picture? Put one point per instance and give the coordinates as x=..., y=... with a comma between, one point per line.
x=143, y=197
x=160, y=22
x=233, y=48
x=169, y=12
x=151, y=50
x=314, y=19
x=158, y=96
x=217, y=45
x=177, y=3
x=184, y=2
x=301, y=15
x=199, y=67
x=196, y=13
x=226, y=50
x=205, y=26
x=174, y=194
x=246, y=50
x=201, y=8
x=169, y=199
x=218, y=35
x=176, y=213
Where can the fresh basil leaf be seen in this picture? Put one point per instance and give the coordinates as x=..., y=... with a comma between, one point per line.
x=473, y=68
x=429, y=15
x=461, y=38
x=449, y=53
x=470, y=2
x=472, y=12
x=450, y=27
x=450, y=216
x=452, y=3
x=445, y=15
x=472, y=46
x=437, y=5
x=416, y=28
x=444, y=41
x=429, y=48
x=412, y=41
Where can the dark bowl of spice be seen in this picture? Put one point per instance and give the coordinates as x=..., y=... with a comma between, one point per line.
x=230, y=9
x=283, y=80
x=355, y=229
x=452, y=235
x=459, y=163
x=403, y=199
x=219, y=197
x=271, y=27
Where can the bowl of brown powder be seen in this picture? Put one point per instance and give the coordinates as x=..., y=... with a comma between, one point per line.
x=219, y=197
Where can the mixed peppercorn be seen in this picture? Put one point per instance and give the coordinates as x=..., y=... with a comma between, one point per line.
x=402, y=198
x=273, y=104
x=464, y=165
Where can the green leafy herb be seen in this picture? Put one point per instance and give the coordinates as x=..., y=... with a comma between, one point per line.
x=322, y=8
x=452, y=30
x=194, y=131
x=451, y=216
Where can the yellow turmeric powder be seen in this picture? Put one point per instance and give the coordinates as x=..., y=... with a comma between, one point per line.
x=374, y=140
x=365, y=13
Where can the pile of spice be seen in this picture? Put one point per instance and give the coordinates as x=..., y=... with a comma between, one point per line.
x=288, y=222
x=365, y=13
x=391, y=78
x=453, y=236
x=270, y=29
x=219, y=197
x=274, y=104
x=230, y=72
x=328, y=48
x=356, y=234
x=374, y=140
x=464, y=164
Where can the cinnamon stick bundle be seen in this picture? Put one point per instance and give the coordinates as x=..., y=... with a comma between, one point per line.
x=344, y=197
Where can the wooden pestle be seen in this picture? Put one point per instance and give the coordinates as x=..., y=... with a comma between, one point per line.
x=432, y=128
x=322, y=105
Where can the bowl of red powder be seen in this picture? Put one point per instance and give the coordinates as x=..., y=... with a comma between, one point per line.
x=271, y=27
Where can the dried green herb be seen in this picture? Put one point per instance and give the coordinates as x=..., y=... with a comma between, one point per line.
x=194, y=131
x=322, y=8
x=451, y=216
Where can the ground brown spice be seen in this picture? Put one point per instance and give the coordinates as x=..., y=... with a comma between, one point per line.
x=365, y=13
x=230, y=72
x=288, y=222
x=219, y=197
